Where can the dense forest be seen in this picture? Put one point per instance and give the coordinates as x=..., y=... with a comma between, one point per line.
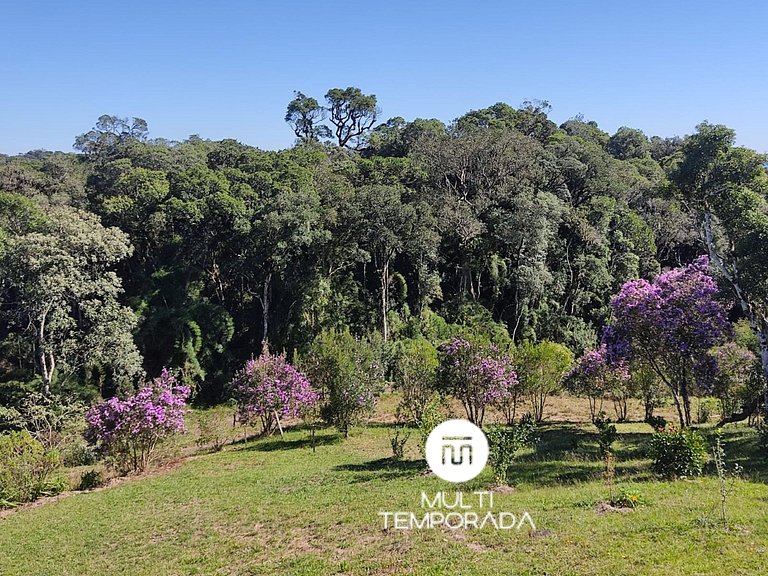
x=139, y=253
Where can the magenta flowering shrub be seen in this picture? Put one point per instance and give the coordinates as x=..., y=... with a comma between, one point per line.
x=670, y=324
x=130, y=429
x=270, y=388
x=478, y=376
x=595, y=377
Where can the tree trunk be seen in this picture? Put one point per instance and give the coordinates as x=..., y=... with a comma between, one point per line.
x=686, y=402
x=384, y=282
x=648, y=409
x=265, y=307
x=47, y=361
x=762, y=336
x=676, y=398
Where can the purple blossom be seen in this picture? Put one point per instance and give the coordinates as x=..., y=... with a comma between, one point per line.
x=130, y=429
x=671, y=324
x=478, y=376
x=269, y=385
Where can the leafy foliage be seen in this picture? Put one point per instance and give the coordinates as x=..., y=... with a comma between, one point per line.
x=671, y=324
x=27, y=469
x=348, y=374
x=477, y=376
x=542, y=367
x=594, y=376
x=504, y=442
x=678, y=453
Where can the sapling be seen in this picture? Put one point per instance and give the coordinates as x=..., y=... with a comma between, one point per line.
x=726, y=480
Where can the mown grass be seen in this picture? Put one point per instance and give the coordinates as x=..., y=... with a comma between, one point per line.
x=274, y=506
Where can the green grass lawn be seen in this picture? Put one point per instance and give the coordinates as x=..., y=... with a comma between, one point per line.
x=273, y=506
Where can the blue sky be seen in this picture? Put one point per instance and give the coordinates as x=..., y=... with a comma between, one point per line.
x=227, y=69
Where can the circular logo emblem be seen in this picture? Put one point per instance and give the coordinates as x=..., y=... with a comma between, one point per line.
x=457, y=450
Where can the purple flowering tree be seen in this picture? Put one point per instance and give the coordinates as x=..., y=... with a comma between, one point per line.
x=670, y=324
x=130, y=429
x=269, y=388
x=595, y=377
x=477, y=376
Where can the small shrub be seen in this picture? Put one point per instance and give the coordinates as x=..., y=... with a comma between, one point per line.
x=91, y=479
x=212, y=431
x=629, y=498
x=27, y=469
x=78, y=454
x=706, y=408
x=398, y=441
x=504, y=442
x=477, y=375
x=678, y=453
x=726, y=479
x=269, y=388
x=606, y=432
x=541, y=368
x=414, y=367
x=350, y=374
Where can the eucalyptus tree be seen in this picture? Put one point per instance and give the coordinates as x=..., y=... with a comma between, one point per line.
x=61, y=294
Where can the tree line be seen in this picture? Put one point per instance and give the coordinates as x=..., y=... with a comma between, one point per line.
x=139, y=253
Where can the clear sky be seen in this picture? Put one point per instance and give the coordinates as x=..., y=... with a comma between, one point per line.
x=228, y=68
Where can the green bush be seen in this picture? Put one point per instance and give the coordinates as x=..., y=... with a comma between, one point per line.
x=92, y=479
x=678, y=453
x=656, y=422
x=27, y=469
x=629, y=498
x=414, y=367
x=504, y=442
x=213, y=430
x=78, y=454
x=349, y=373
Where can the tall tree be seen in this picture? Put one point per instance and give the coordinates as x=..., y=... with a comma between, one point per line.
x=60, y=293
x=304, y=115
x=671, y=324
x=110, y=135
x=352, y=114
x=726, y=189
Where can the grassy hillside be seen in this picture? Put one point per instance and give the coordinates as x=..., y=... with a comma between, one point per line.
x=273, y=506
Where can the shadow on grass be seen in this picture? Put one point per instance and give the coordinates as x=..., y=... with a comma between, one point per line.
x=558, y=473
x=741, y=447
x=383, y=469
x=571, y=442
x=276, y=443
